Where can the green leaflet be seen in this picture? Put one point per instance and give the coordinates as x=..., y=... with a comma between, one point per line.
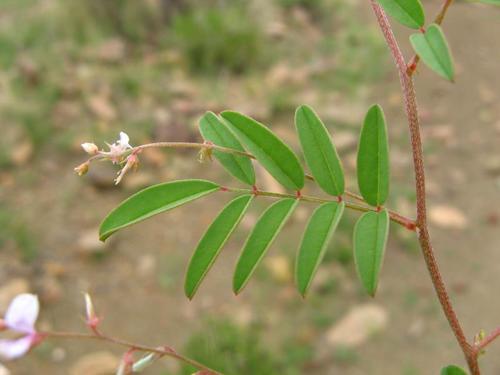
x=373, y=158
x=319, y=151
x=370, y=237
x=212, y=241
x=407, y=12
x=154, y=200
x=319, y=231
x=452, y=370
x=434, y=51
x=263, y=234
x=268, y=149
x=213, y=130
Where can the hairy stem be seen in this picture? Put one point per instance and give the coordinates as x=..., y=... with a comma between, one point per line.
x=418, y=161
x=163, y=351
x=412, y=65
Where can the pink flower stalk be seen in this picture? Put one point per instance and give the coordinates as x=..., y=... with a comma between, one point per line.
x=20, y=317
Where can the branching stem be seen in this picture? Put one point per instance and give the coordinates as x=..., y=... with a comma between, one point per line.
x=396, y=217
x=423, y=234
x=163, y=351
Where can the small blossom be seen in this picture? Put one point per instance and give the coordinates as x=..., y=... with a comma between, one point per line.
x=20, y=317
x=132, y=163
x=82, y=169
x=118, y=149
x=90, y=148
x=92, y=319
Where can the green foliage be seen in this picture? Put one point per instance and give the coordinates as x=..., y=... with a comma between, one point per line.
x=494, y=2
x=262, y=236
x=319, y=151
x=230, y=349
x=408, y=12
x=152, y=201
x=268, y=149
x=219, y=38
x=434, y=51
x=93, y=19
x=317, y=236
x=212, y=242
x=453, y=370
x=213, y=130
x=370, y=238
x=373, y=158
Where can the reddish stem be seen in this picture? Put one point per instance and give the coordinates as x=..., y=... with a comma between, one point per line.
x=418, y=161
x=488, y=340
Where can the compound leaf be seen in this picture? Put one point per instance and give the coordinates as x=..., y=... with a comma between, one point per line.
x=212, y=242
x=154, y=200
x=370, y=237
x=262, y=236
x=317, y=235
x=268, y=149
x=319, y=151
x=213, y=130
x=434, y=51
x=407, y=12
x=373, y=158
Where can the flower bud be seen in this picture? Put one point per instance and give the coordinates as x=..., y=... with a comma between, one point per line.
x=82, y=169
x=125, y=367
x=90, y=148
x=205, y=153
x=144, y=362
x=92, y=318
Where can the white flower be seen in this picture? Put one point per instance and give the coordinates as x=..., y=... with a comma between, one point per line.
x=124, y=140
x=20, y=317
x=118, y=149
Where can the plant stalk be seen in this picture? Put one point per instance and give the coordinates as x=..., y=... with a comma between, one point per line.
x=411, y=109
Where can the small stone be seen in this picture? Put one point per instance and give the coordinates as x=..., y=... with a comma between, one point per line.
x=102, y=176
x=22, y=153
x=279, y=267
x=88, y=243
x=345, y=141
x=356, y=327
x=4, y=370
x=492, y=166
x=447, y=217
x=11, y=289
x=49, y=289
x=146, y=265
x=102, y=107
x=58, y=354
x=98, y=363
x=112, y=50
x=138, y=180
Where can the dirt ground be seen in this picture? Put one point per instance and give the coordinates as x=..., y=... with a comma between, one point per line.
x=137, y=284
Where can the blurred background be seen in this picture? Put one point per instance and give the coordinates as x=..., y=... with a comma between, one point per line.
x=80, y=71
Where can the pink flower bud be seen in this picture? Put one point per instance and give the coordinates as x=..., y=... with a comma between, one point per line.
x=92, y=319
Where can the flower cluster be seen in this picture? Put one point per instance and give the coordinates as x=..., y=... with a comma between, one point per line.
x=120, y=152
